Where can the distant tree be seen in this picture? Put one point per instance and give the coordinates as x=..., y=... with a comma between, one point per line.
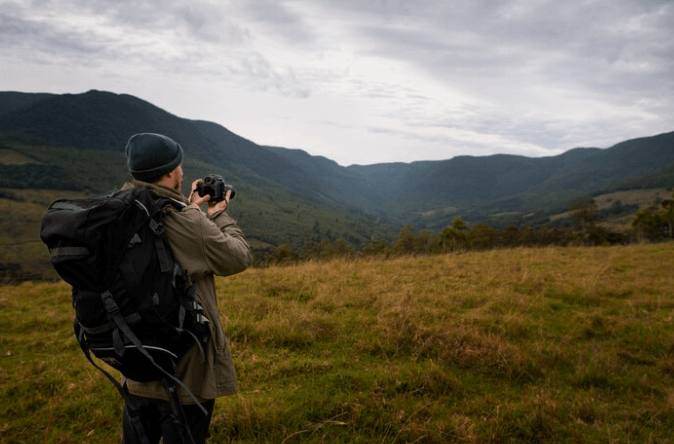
x=668, y=205
x=309, y=250
x=455, y=235
x=528, y=236
x=427, y=243
x=327, y=250
x=550, y=235
x=482, y=236
x=510, y=237
x=284, y=254
x=583, y=214
x=405, y=242
x=650, y=224
x=342, y=248
x=376, y=247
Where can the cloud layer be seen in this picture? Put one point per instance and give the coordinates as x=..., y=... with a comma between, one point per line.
x=366, y=81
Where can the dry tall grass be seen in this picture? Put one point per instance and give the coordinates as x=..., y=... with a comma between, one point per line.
x=526, y=345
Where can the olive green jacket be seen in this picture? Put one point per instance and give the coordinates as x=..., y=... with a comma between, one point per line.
x=205, y=246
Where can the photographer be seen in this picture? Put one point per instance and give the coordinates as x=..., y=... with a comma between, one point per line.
x=206, y=245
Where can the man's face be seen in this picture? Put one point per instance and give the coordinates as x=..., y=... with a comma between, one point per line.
x=178, y=178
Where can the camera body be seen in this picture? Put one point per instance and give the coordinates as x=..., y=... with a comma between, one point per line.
x=214, y=185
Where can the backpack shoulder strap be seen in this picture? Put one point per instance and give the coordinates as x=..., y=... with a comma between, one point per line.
x=163, y=201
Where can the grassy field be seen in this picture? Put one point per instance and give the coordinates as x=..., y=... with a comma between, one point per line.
x=644, y=198
x=528, y=345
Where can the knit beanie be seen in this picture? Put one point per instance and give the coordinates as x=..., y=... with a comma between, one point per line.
x=152, y=155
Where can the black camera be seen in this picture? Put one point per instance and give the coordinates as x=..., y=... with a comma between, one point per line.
x=215, y=186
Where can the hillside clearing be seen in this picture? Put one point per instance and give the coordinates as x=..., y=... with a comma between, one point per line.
x=644, y=198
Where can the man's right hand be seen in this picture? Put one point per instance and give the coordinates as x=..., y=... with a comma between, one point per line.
x=194, y=195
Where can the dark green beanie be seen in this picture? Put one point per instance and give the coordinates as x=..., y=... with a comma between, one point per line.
x=152, y=155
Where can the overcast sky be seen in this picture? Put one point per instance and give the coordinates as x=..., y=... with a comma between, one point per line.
x=365, y=81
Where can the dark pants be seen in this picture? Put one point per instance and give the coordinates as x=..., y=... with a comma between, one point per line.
x=157, y=419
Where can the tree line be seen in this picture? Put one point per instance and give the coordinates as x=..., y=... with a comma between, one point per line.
x=653, y=224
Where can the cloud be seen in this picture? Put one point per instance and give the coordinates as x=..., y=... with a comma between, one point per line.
x=278, y=20
x=529, y=66
x=423, y=78
x=36, y=39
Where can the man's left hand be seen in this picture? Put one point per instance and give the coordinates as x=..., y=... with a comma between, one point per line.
x=216, y=207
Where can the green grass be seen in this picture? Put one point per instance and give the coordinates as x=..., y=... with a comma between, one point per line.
x=527, y=345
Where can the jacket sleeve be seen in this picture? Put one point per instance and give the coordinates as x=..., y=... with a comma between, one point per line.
x=204, y=245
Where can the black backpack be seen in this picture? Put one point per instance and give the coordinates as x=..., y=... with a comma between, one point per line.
x=134, y=307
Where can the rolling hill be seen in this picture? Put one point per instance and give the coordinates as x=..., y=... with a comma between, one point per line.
x=77, y=142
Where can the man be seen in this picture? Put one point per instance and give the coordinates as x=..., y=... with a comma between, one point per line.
x=205, y=245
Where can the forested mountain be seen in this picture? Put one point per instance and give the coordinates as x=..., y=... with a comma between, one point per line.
x=96, y=125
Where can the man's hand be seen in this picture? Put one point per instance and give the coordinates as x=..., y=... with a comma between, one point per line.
x=213, y=207
x=194, y=196
x=216, y=207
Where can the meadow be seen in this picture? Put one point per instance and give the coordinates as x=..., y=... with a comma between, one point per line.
x=566, y=345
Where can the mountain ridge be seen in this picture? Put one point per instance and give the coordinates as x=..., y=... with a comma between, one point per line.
x=397, y=192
